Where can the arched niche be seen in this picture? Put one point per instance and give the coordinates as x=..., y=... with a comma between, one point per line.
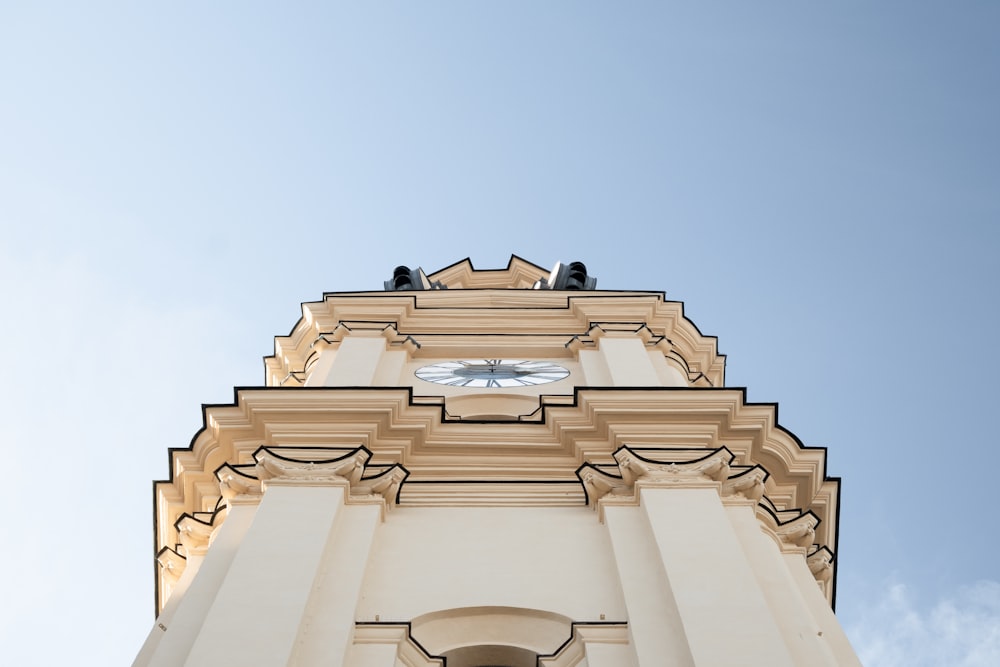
x=486, y=655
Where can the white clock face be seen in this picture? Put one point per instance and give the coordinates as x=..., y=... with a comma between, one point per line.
x=497, y=373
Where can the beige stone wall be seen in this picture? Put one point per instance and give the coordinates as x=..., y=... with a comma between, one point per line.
x=556, y=559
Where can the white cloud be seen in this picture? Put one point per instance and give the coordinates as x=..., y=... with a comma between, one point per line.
x=960, y=630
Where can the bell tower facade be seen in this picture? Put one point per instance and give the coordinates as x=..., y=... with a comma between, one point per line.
x=507, y=467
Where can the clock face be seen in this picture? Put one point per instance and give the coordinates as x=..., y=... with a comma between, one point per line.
x=486, y=373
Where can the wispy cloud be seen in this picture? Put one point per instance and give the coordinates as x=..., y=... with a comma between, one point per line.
x=960, y=630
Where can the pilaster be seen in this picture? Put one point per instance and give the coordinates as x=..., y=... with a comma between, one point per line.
x=628, y=355
x=802, y=635
x=655, y=623
x=804, y=572
x=264, y=598
x=358, y=354
x=183, y=616
x=699, y=564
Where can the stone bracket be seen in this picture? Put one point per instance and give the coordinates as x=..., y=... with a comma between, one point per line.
x=171, y=564
x=195, y=530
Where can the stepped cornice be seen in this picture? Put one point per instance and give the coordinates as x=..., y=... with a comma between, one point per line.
x=502, y=321
x=418, y=435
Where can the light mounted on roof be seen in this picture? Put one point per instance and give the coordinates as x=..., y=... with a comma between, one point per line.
x=405, y=279
x=572, y=276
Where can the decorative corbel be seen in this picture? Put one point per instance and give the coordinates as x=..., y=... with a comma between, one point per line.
x=271, y=466
x=800, y=531
x=748, y=484
x=194, y=534
x=171, y=564
x=385, y=484
x=820, y=563
x=235, y=484
x=346, y=470
x=598, y=483
x=714, y=467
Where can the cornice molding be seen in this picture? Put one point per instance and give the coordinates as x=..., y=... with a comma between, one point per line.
x=396, y=428
x=497, y=316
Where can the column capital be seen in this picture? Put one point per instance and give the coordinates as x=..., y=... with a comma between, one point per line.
x=273, y=468
x=388, y=330
x=666, y=467
x=335, y=466
x=641, y=468
x=712, y=469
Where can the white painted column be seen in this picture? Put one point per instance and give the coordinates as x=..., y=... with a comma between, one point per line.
x=185, y=612
x=352, y=364
x=165, y=617
x=655, y=624
x=327, y=631
x=822, y=614
x=803, y=637
x=725, y=615
x=595, y=369
x=669, y=373
x=255, y=618
x=627, y=361
x=360, y=357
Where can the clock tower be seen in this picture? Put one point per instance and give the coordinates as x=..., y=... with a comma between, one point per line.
x=507, y=467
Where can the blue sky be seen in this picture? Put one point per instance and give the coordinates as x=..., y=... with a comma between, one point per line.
x=818, y=183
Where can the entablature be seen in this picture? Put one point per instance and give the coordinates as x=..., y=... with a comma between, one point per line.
x=547, y=449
